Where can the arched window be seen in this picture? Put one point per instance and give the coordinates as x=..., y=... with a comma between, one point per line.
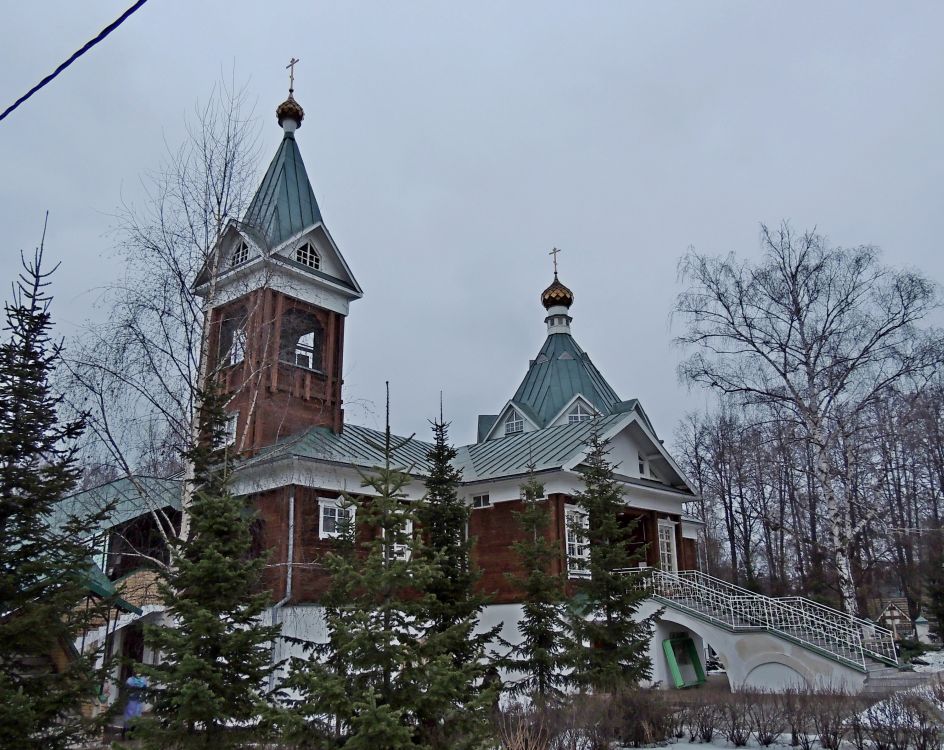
x=513, y=423
x=302, y=340
x=240, y=254
x=308, y=256
x=579, y=413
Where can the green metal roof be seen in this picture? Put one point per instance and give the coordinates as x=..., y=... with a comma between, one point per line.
x=549, y=448
x=355, y=445
x=129, y=498
x=285, y=204
x=560, y=371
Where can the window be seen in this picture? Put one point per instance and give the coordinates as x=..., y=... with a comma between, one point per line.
x=643, y=465
x=667, y=560
x=481, y=501
x=233, y=336
x=336, y=518
x=229, y=430
x=240, y=254
x=578, y=547
x=237, y=350
x=301, y=340
x=514, y=423
x=400, y=549
x=306, y=255
x=579, y=413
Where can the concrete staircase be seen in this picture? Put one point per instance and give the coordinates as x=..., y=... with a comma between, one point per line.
x=853, y=642
x=882, y=679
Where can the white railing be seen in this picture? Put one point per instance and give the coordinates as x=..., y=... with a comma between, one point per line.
x=813, y=625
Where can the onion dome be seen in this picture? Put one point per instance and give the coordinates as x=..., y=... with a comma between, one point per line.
x=557, y=295
x=290, y=110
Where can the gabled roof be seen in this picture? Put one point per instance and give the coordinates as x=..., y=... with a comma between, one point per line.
x=560, y=371
x=548, y=448
x=284, y=204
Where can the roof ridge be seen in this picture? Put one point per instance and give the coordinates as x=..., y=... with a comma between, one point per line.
x=284, y=203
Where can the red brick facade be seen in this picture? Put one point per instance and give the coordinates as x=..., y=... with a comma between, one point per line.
x=273, y=395
x=493, y=529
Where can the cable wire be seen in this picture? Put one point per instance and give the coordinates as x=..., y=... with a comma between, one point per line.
x=75, y=56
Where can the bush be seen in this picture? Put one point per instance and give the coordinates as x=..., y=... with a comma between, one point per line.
x=735, y=717
x=768, y=717
x=796, y=708
x=519, y=728
x=830, y=710
x=703, y=719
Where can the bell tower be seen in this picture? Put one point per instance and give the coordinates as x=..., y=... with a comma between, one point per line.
x=276, y=291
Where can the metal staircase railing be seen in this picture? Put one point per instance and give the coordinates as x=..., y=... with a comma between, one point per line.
x=830, y=632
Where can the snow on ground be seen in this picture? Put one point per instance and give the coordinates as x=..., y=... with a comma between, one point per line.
x=934, y=662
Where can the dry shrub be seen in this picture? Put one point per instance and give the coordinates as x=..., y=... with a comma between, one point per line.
x=831, y=709
x=885, y=722
x=703, y=719
x=735, y=717
x=519, y=728
x=677, y=720
x=631, y=718
x=767, y=714
x=797, y=708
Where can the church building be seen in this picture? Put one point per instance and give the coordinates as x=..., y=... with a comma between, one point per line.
x=278, y=291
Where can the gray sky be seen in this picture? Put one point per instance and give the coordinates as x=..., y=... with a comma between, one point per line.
x=451, y=145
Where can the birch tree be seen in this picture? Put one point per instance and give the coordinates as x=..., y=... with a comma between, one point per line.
x=138, y=373
x=819, y=334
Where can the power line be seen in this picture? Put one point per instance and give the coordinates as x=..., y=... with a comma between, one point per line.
x=75, y=56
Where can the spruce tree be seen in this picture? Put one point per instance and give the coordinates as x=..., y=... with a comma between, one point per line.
x=360, y=689
x=453, y=700
x=538, y=657
x=44, y=555
x=609, y=647
x=216, y=654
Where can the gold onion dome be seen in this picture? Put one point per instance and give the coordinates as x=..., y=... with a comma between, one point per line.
x=290, y=110
x=557, y=295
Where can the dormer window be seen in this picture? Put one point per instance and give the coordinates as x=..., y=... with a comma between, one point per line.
x=307, y=256
x=579, y=413
x=514, y=423
x=240, y=254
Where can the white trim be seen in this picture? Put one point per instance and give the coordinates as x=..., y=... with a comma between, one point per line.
x=339, y=506
x=502, y=415
x=485, y=501
x=580, y=544
x=230, y=429
x=569, y=405
x=670, y=526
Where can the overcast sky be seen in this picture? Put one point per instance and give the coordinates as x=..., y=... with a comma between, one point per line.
x=451, y=145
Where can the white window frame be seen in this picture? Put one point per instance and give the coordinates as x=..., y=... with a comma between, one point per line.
x=237, y=349
x=514, y=423
x=337, y=507
x=481, y=501
x=576, y=546
x=402, y=551
x=579, y=413
x=666, y=533
x=643, y=466
x=240, y=255
x=308, y=256
x=230, y=429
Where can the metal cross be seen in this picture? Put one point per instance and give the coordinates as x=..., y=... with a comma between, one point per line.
x=291, y=73
x=554, y=252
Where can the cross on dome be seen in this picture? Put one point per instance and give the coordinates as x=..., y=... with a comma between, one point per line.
x=291, y=74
